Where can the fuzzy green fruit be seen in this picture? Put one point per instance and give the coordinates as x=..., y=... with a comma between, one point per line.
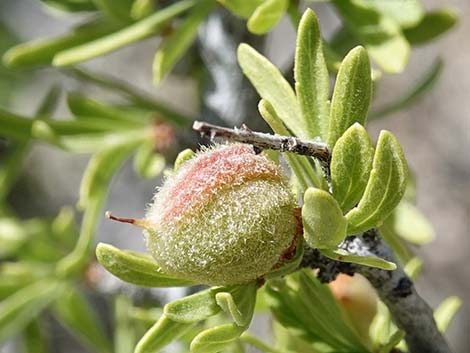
x=226, y=216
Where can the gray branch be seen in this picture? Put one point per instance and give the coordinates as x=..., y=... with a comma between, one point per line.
x=409, y=311
x=261, y=141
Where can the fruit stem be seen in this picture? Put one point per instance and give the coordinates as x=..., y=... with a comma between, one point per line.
x=142, y=223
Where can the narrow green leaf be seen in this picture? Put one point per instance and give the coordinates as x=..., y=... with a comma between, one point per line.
x=50, y=102
x=83, y=106
x=311, y=76
x=385, y=188
x=14, y=126
x=94, y=188
x=381, y=35
x=432, y=25
x=123, y=37
x=241, y=8
x=71, y=5
x=323, y=220
x=12, y=236
x=300, y=303
x=405, y=13
x=266, y=16
x=274, y=88
x=124, y=325
x=425, y=83
x=20, y=308
x=182, y=157
x=142, y=8
x=147, y=162
x=174, y=46
x=34, y=340
x=135, y=268
x=398, y=245
x=351, y=164
x=99, y=172
x=161, y=334
x=239, y=302
x=413, y=267
x=140, y=98
x=215, y=339
x=393, y=341
x=352, y=94
x=371, y=261
x=194, y=308
x=41, y=52
x=412, y=225
x=118, y=11
x=255, y=342
x=446, y=311
x=75, y=313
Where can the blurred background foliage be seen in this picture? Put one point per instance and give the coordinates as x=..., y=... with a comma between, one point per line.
x=84, y=86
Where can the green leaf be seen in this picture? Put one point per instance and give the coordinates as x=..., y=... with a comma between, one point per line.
x=14, y=126
x=174, y=46
x=393, y=341
x=239, y=302
x=266, y=16
x=446, y=311
x=241, y=8
x=351, y=163
x=352, y=94
x=140, y=98
x=147, y=162
x=194, y=308
x=371, y=261
x=124, y=325
x=41, y=52
x=118, y=11
x=123, y=37
x=412, y=225
x=12, y=236
x=301, y=303
x=381, y=35
x=50, y=102
x=34, y=340
x=311, y=76
x=215, y=339
x=405, y=13
x=142, y=8
x=100, y=170
x=75, y=313
x=82, y=106
x=398, y=245
x=385, y=188
x=432, y=25
x=135, y=268
x=424, y=85
x=274, y=88
x=413, y=267
x=71, y=5
x=94, y=188
x=161, y=334
x=323, y=221
x=182, y=157
x=21, y=308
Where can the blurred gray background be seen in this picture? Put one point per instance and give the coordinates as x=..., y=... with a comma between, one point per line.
x=435, y=134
